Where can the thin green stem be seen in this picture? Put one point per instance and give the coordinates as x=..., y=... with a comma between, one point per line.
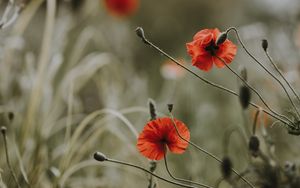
x=282, y=76
x=180, y=179
x=219, y=181
x=149, y=172
x=206, y=152
x=227, y=136
x=255, y=122
x=3, y=131
x=146, y=41
x=258, y=62
x=188, y=69
x=269, y=113
x=255, y=91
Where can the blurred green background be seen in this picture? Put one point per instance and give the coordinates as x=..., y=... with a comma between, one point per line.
x=95, y=63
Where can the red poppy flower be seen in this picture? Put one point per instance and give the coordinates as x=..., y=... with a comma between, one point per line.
x=204, y=51
x=160, y=134
x=121, y=7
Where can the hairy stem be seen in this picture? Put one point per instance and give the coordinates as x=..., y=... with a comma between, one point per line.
x=206, y=152
x=146, y=41
x=255, y=91
x=149, y=172
x=260, y=64
x=282, y=76
x=180, y=179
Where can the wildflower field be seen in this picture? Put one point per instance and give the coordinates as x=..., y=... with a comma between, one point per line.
x=154, y=94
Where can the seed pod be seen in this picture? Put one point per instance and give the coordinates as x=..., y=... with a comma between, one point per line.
x=153, y=165
x=76, y=4
x=245, y=96
x=254, y=145
x=3, y=130
x=100, y=156
x=10, y=116
x=221, y=38
x=264, y=44
x=152, y=109
x=140, y=33
x=243, y=73
x=170, y=107
x=226, y=166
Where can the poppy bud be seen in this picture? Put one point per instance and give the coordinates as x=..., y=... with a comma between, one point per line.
x=264, y=44
x=153, y=165
x=170, y=107
x=140, y=33
x=3, y=130
x=152, y=109
x=221, y=38
x=245, y=96
x=243, y=72
x=100, y=156
x=254, y=145
x=11, y=116
x=76, y=4
x=226, y=166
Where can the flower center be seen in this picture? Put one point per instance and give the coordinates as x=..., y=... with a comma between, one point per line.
x=164, y=140
x=212, y=48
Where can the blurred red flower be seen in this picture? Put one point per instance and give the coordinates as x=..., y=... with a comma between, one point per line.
x=121, y=7
x=203, y=50
x=169, y=70
x=160, y=134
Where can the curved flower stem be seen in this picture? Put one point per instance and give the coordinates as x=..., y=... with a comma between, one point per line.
x=146, y=41
x=155, y=175
x=227, y=137
x=282, y=76
x=3, y=131
x=219, y=181
x=179, y=179
x=258, y=62
x=255, y=122
x=243, y=173
x=255, y=91
x=207, y=152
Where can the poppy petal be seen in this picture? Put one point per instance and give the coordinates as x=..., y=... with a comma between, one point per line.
x=176, y=144
x=203, y=62
x=159, y=134
x=203, y=50
x=121, y=7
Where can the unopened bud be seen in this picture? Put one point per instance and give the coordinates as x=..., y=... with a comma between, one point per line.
x=100, y=156
x=152, y=109
x=170, y=107
x=243, y=73
x=153, y=165
x=264, y=44
x=140, y=33
x=221, y=38
x=76, y=4
x=226, y=166
x=3, y=130
x=244, y=96
x=11, y=116
x=254, y=145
